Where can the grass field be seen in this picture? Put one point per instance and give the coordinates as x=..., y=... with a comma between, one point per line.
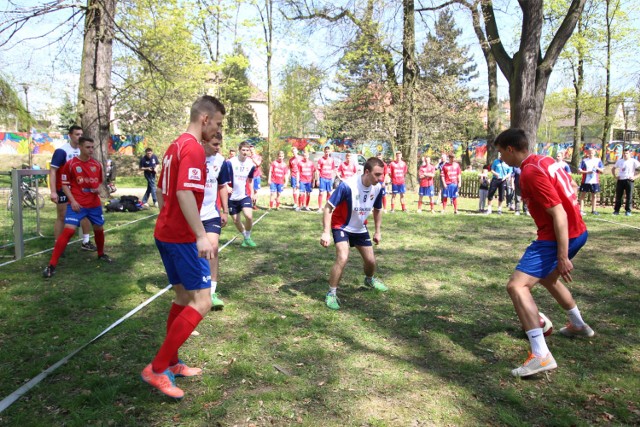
x=437, y=349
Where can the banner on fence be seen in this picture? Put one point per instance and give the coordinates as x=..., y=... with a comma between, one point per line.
x=47, y=142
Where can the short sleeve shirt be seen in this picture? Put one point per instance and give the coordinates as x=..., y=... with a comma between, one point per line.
x=217, y=175
x=347, y=170
x=61, y=156
x=241, y=173
x=306, y=169
x=82, y=177
x=353, y=202
x=590, y=165
x=398, y=171
x=278, y=172
x=146, y=162
x=501, y=168
x=424, y=169
x=627, y=168
x=451, y=173
x=326, y=167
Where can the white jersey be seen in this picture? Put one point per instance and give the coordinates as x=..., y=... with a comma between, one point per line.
x=627, y=168
x=239, y=174
x=69, y=153
x=216, y=175
x=353, y=202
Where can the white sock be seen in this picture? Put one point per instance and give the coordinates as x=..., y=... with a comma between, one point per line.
x=85, y=238
x=368, y=279
x=245, y=234
x=575, y=318
x=538, y=344
x=213, y=286
x=248, y=233
x=333, y=291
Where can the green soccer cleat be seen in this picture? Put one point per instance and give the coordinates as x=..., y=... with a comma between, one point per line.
x=376, y=284
x=216, y=303
x=248, y=243
x=332, y=301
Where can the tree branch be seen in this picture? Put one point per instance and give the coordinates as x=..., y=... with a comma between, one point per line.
x=505, y=62
x=562, y=35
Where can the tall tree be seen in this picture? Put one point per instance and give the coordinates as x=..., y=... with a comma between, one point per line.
x=265, y=11
x=12, y=110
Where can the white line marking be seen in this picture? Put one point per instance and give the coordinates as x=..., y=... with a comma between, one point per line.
x=616, y=223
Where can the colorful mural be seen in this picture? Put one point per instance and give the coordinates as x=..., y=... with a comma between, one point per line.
x=124, y=144
x=372, y=148
x=43, y=143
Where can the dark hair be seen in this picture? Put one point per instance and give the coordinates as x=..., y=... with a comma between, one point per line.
x=206, y=104
x=148, y=150
x=244, y=144
x=373, y=162
x=625, y=150
x=513, y=137
x=487, y=167
x=74, y=127
x=84, y=139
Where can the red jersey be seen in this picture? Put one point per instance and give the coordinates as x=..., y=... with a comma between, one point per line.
x=306, y=169
x=326, y=167
x=346, y=170
x=183, y=168
x=293, y=163
x=278, y=172
x=426, y=181
x=397, y=170
x=82, y=177
x=545, y=184
x=451, y=173
x=257, y=160
x=384, y=173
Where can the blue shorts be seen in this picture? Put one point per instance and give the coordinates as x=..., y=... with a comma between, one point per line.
x=212, y=225
x=326, y=184
x=236, y=206
x=94, y=214
x=294, y=182
x=354, y=239
x=62, y=198
x=426, y=191
x=590, y=188
x=276, y=188
x=450, y=191
x=305, y=187
x=256, y=183
x=384, y=189
x=183, y=265
x=541, y=257
x=397, y=188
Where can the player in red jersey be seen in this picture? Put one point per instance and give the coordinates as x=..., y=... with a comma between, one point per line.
x=383, y=181
x=452, y=177
x=182, y=242
x=293, y=168
x=347, y=168
x=81, y=179
x=549, y=192
x=304, y=176
x=398, y=171
x=326, y=169
x=278, y=173
x=426, y=172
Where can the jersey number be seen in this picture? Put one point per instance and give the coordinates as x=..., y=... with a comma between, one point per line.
x=166, y=173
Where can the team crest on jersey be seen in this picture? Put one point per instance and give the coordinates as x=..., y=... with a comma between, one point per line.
x=195, y=174
x=78, y=169
x=64, y=177
x=80, y=180
x=92, y=168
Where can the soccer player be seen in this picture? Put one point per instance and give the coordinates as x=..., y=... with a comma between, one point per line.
x=501, y=173
x=304, y=176
x=81, y=179
x=626, y=168
x=345, y=217
x=278, y=173
x=215, y=192
x=347, y=168
x=590, y=168
x=241, y=171
x=326, y=170
x=550, y=196
x=452, y=176
x=426, y=172
x=383, y=181
x=293, y=170
x=182, y=242
x=560, y=160
x=257, y=175
x=398, y=171
x=60, y=156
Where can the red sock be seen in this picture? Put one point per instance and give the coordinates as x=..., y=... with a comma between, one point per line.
x=392, y=205
x=455, y=204
x=295, y=199
x=307, y=199
x=270, y=203
x=174, y=312
x=181, y=328
x=444, y=203
x=61, y=244
x=404, y=208
x=384, y=202
x=431, y=204
x=99, y=236
x=320, y=201
x=419, y=205
x=278, y=203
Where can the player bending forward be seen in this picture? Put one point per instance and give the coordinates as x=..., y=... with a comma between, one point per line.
x=550, y=195
x=344, y=216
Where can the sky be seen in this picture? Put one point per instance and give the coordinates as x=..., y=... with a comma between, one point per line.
x=50, y=67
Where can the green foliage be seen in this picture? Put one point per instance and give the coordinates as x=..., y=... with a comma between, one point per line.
x=68, y=114
x=12, y=109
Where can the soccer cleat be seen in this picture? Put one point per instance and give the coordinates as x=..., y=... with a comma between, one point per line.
x=216, y=303
x=616, y=213
x=517, y=213
x=105, y=258
x=488, y=211
x=595, y=213
x=164, y=382
x=627, y=213
x=499, y=212
x=332, y=301
x=297, y=209
x=180, y=369
x=89, y=247
x=392, y=211
x=583, y=213
x=376, y=284
x=419, y=211
x=455, y=212
x=535, y=364
x=319, y=210
x=307, y=208
x=248, y=243
x=571, y=331
x=49, y=271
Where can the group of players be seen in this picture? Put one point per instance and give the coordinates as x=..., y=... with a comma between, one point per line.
x=194, y=202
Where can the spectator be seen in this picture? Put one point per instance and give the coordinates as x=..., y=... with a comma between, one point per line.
x=148, y=164
x=626, y=168
x=591, y=167
x=483, y=190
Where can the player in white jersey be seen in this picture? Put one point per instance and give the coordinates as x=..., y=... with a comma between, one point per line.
x=345, y=215
x=213, y=220
x=241, y=169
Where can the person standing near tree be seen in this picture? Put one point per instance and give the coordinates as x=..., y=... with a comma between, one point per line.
x=452, y=176
x=549, y=193
x=626, y=174
x=590, y=167
x=398, y=171
x=501, y=173
x=304, y=176
x=326, y=170
x=293, y=170
x=61, y=156
x=241, y=171
x=278, y=172
x=347, y=168
x=426, y=172
x=148, y=164
x=183, y=243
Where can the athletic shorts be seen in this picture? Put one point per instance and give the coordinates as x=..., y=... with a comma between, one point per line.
x=590, y=188
x=397, y=188
x=212, y=225
x=426, y=191
x=183, y=265
x=354, y=239
x=256, y=183
x=305, y=187
x=384, y=189
x=276, y=188
x=450, y=191
x=541, y=257
x=236, y=206
x=62, y=198
x=326, y=184
x=94, y=214
x=294, y=182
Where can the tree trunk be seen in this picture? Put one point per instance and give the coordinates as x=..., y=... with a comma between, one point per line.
x=407, y=135
x=493, y=108
x=577, y=117
x=608, y=122
x=94, y=106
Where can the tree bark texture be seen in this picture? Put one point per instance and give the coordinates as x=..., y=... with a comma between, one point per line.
x=407, y=135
